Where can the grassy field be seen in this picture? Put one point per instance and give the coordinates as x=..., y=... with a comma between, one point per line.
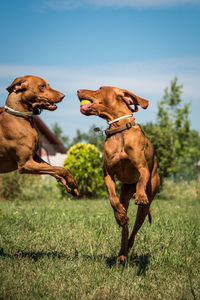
x=67, y=249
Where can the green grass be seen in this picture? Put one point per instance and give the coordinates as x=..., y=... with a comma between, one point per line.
x=67, y=249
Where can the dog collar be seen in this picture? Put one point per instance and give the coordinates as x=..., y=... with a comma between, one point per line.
x=128, y=125
x=109, y=132
x=115, y=120
x=21, y=113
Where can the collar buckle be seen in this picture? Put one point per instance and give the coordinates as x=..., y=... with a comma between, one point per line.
x=129, y=125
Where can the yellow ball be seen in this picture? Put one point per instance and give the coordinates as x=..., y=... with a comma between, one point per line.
x=85, y=102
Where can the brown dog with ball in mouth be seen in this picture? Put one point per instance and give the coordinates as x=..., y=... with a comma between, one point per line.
x=128, y=155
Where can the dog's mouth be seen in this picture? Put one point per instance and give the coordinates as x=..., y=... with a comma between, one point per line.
x=49, y=106
x=45, y=105
x=85, y=106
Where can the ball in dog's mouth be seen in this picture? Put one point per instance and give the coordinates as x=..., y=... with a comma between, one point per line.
x=85, y=101
x=85, y=105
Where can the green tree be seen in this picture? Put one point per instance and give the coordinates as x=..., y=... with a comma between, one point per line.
x=59, y=134
x=173, y=117
x=79, y=137
x=161, y=140
x=92, y=137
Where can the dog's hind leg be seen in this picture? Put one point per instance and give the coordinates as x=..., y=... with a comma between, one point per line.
x=143, y=211
x=140, y=217
x=126, y=193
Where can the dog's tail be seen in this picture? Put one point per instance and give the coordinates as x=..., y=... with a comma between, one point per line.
x=149, y=215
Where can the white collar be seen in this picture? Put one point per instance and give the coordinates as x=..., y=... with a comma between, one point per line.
x=18, y=113
x=115, y=120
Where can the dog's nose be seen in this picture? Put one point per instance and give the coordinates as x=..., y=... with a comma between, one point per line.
x=62, y=96
x=78, y=91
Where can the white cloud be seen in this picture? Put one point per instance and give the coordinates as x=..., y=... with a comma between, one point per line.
x=71, y=4
x=145, y=78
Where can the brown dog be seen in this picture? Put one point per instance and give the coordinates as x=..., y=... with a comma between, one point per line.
x=128, y=155
x=19, y=139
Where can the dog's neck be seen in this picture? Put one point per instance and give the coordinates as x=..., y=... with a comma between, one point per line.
x=14, y=102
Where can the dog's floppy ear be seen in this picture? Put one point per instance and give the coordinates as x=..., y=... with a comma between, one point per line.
x=17, y=85
x=132, y=99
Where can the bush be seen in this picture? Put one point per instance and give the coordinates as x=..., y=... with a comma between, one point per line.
x=182, y=190
x=15, y=186
x=84, y=161
x=10, y=185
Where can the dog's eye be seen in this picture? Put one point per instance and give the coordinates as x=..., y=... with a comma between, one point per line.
x=42, y=86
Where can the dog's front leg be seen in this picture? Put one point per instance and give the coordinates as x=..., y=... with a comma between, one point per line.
x=119, y=210
x=41, y=167
x=140, y=195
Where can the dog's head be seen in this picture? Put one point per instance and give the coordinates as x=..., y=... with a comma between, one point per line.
x=35, y=92
x=107, y=100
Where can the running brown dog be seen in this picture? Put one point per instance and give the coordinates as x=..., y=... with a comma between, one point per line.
x=19, y=138
x=128, y=155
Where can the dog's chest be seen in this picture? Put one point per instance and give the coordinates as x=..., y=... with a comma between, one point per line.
x=114, y=151
x=117, y=162
x=28, y=138
x=115, y=157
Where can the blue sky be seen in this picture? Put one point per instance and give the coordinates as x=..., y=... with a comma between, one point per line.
x=139, y=45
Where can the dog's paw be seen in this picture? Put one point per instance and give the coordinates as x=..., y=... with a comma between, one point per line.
x=121, y=258
x=141, y=199
x=71, y=185
x=121, y=218
x=75, y=192
x=72, y=190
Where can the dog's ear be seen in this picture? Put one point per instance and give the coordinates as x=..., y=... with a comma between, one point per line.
x=19, y=84
x=132, y=99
